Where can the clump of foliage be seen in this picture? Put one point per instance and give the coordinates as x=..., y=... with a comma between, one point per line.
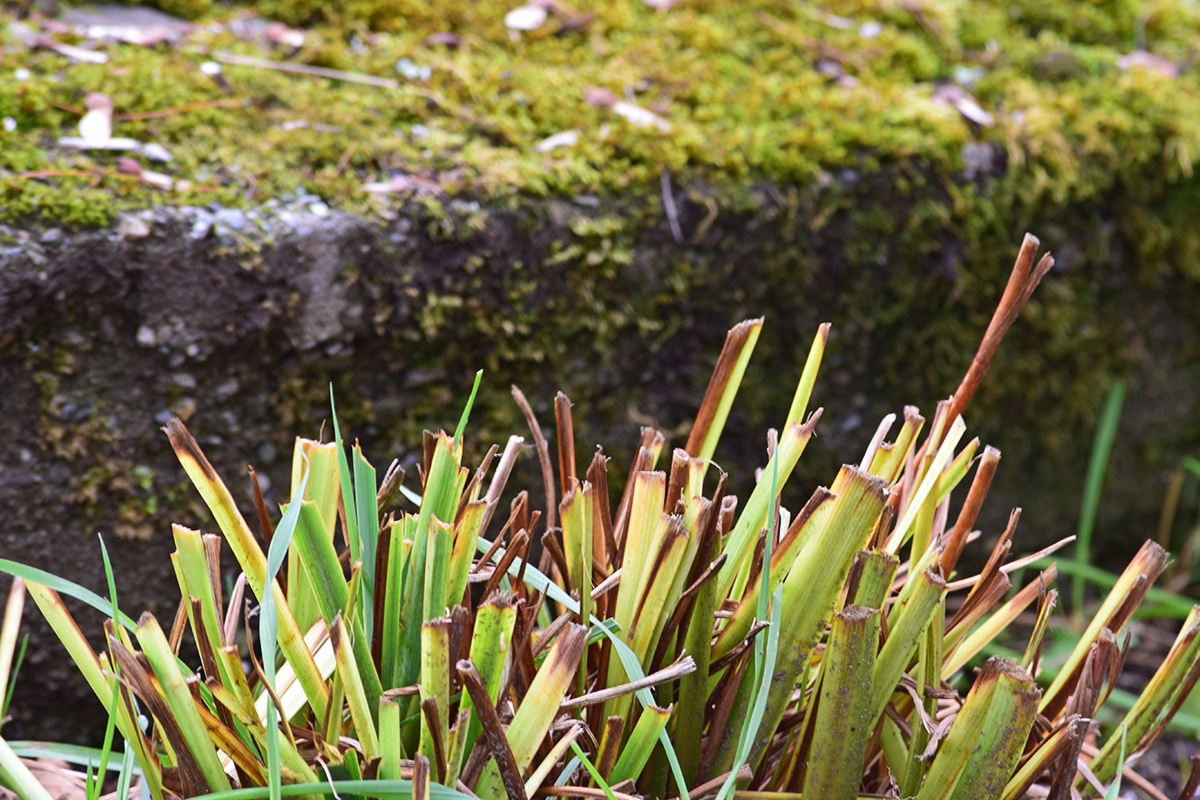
x=667, y=641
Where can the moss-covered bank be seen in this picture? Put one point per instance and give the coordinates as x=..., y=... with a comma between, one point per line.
x=786, y=93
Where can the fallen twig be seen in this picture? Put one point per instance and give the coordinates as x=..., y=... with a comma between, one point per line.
x=162, y=112
x=303, y=69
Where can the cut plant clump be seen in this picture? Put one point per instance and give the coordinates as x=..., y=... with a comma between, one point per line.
x=658, y=638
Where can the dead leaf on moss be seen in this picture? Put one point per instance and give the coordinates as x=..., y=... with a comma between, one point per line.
x=964, y=103
x=403, y=183
x=633, y=113
x=279, y=34
x=95, y=127
x=562, y=139
x=526, y=18
x=267, y=33
x=131, y=25
x=1140, y=59
x=35, y=40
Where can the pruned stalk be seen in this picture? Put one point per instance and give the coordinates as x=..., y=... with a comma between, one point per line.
x=1057, y=754
x=904, y=633
x=1023, y=279
x=657, y=595
x=1157, y=701
x=435, y=686
x=645, y=521
x=811, y=591
x=871, y=576
x=928, y=679
x=640, y=745
x=956, y=539
x=575, y=512
x=904, y=526
x=963, y=646
x=647, y=527
x=466, y=536
x=192, y=571
x=956, y=470
x=554, y=678
x=844, y=714
x=324, y=491
x=332, y=595
x=889, y=459
x=693, y=688
x=987, y=737
x=437, y=568
x=504, y=763
x=1125, y=596
x=391, y=749
x=812, y=518
x=399, y=553
x=424, y=597
x=490, y=645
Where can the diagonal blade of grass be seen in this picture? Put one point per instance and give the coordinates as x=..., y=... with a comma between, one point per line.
x=220, y=502
x=324, y=572
x=181, y=703
x=65, y=587
x=18, y=777
x=754, y=517
x=95, y=672
x=723, y=388
x=360, y=702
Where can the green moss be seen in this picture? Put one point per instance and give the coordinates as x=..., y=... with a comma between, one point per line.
x=739, y=85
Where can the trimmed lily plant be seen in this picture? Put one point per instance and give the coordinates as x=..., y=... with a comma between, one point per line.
x=646, y=637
